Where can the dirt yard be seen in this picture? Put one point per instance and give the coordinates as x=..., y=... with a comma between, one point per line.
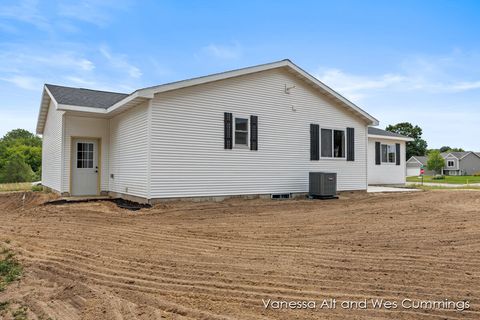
x=185, y=260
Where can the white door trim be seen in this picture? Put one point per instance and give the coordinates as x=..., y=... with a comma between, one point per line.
x=96, y=166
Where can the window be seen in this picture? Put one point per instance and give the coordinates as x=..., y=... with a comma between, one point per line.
x=388, y=153
x=333, y=143
x=84, y=155
x=241, y=132
x=451, y=163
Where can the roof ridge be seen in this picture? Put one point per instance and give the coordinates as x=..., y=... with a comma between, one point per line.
x=213, y=74
x=106, y=91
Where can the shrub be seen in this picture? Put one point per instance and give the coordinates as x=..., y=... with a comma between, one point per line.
x=16, y=170
x=37, y=188
x=477, y=174
x=438, y=177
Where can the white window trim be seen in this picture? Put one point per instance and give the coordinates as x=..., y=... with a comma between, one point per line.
x=453, y=161
x=241, y=146
x=394, y=152
x=344, y=143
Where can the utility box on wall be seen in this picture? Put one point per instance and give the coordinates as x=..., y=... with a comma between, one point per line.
x=322, y=184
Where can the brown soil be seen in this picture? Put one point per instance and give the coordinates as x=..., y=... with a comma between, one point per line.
x=205, y=260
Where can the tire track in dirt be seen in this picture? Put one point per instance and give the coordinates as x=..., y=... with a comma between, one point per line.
x=186, y=260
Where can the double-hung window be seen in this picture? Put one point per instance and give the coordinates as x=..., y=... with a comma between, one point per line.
x=332, y=143
x=241, y=132
x=389, y=154
x=451, y=163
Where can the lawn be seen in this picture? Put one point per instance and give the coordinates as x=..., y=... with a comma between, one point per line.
x=20, y=186
x=448, y=179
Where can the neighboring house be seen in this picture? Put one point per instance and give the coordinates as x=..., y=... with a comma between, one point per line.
x=386, y=157
x=415, y=163
x=456, y=164
x=253, y=131
x=461, y=163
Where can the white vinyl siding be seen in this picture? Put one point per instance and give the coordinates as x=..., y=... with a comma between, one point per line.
x=52, y=149
x=129, y=152
x=386, y=172
x=86, y=127
x=187, y=138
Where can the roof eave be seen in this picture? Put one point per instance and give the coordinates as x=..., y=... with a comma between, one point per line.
x=377, y=136
x=43, y=110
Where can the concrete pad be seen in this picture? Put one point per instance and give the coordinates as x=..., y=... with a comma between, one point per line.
x=373, y=189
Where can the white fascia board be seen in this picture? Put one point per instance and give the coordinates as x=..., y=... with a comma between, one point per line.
x=413, y=158
x=235, y=73
x=136, y=94
x=43, y=110
x=448, y=155
x=466, y=154
x=376, y=136
x=211, y=78
x=67, y=107
x=373, y=121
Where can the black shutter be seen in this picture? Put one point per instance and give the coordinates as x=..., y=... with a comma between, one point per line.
x=350, y=144
x=253, y=133
x=314, y=142
x=377, y=153
x=397, y=153
x=227, y=125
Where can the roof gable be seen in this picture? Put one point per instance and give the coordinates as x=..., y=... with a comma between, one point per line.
x=84, y=97
x=94, y=101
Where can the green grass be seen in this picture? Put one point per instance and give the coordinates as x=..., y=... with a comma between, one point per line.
x=424, y=187
x=20, y=314
x=448, y=179
x=10, y=269
x=20, y=186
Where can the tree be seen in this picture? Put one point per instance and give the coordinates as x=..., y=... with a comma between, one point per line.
x=444, y=149
x=418, y=147
x=448, y=149
x=20, y=143
x=435, y=161
x=16, y=170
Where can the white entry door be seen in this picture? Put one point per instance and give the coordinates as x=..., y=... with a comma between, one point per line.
x=85, y=167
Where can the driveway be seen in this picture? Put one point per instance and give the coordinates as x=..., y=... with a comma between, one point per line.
x=373, y=189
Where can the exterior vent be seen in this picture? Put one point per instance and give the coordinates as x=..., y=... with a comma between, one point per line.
x=278, y=196
x=322, y=185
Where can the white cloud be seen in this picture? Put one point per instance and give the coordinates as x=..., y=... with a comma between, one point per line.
x=26, y=11
x=224, y=52
x=435, y=75
x=97, y=12
x=120, y=62
x=24, y=82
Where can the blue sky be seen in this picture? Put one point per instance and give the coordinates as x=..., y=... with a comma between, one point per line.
x=416, y=61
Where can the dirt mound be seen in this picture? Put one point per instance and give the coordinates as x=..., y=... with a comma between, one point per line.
x=23, y=200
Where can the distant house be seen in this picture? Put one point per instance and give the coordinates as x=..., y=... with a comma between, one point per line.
x=386, y=157
x=456, y=164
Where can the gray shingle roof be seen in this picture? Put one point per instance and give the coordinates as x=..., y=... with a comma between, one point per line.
x=422, y=159
x=380, y=132
x=459, y=155
x=84, y=97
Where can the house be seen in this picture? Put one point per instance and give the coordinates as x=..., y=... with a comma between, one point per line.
x=253, y=131
x=386, y=157
x=456, y=164
x=415, y=163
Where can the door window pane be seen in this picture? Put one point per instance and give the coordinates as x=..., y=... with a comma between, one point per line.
x=84, y=155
